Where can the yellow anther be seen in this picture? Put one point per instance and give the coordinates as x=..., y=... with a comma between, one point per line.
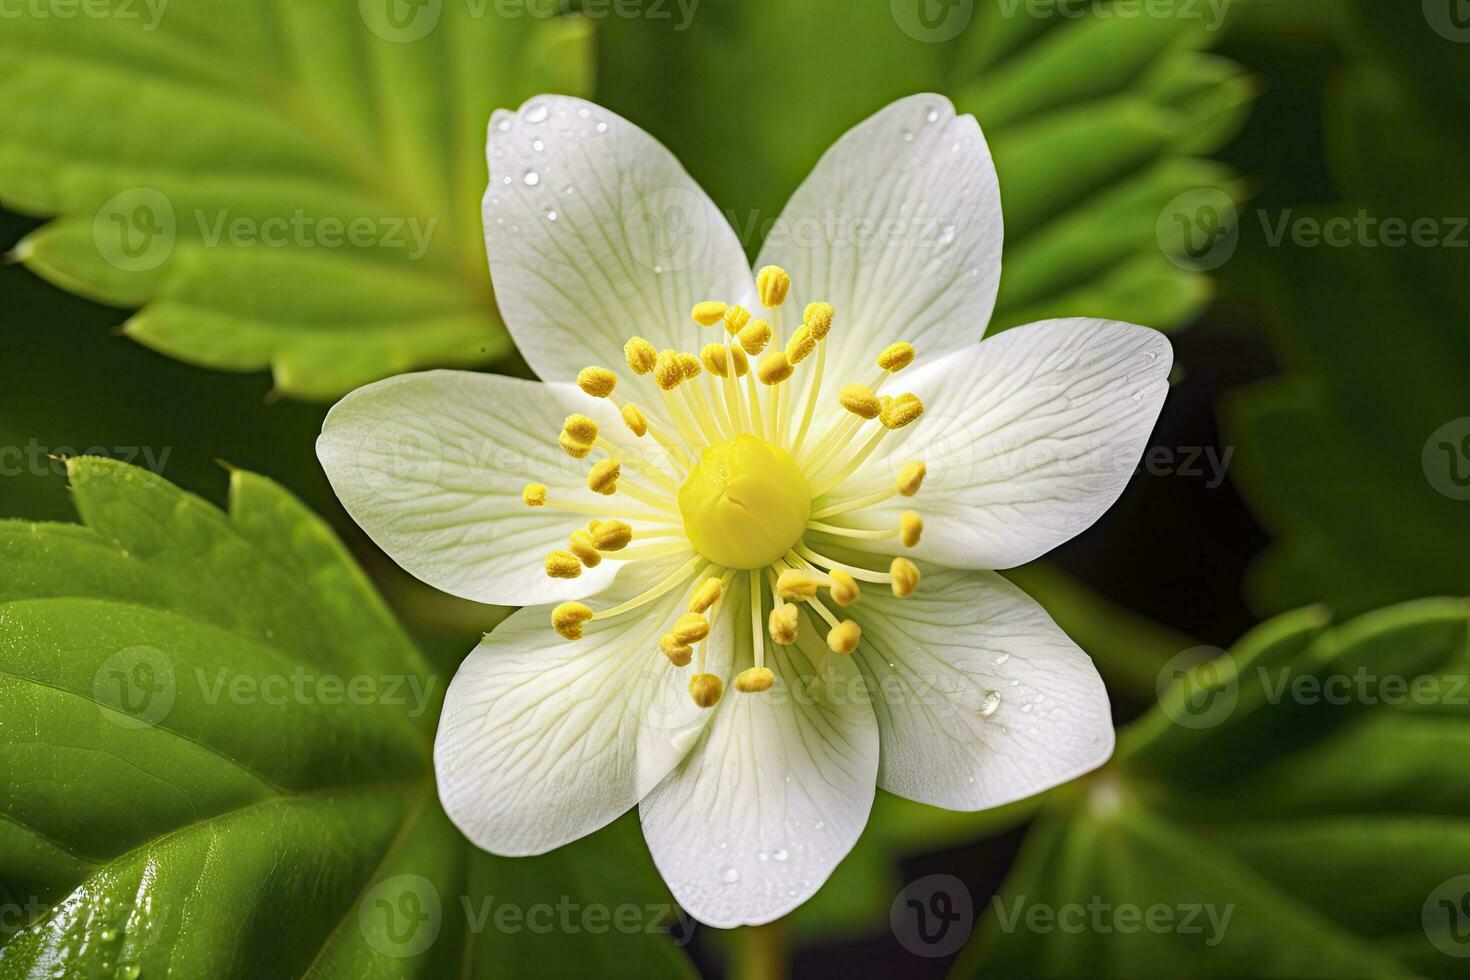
x=709, y=313
x=773, y=284
x=783, y=624
x=911, y=477
x=818, y=317
x=706, y=689
x=844, y=589
x=689, y=364
x=755, y=680
x=843, y=638
x=910, y=527
x=736, y=317
x=755, y=336
x=904, y=410
x=896, y=357
x=634, y=419
x=640, y=354
x=578, y=433
x=567, y=619
x=774, y=368
x=860, y=401
x=563, y=564
x=610, y=535
x=690, y=628
x=905, y=577
x=705, y=595
x=598, y=382
x=604, y=477
x=581, y=545
x=534, y=495
x=679, y=654
x=797, y=584
x=716, y=358
x=668, y=371
x=801, y=344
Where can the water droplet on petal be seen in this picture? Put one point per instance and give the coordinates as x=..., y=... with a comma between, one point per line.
x=761, y=855
x=1138, y=396
x=532, y=178
x=1152, y=356
x=537, y=113
x=989, y=702
x=908, y=137
x=550, y=215
x=781, y=854
x=538, y=145
x=1026, y=708
x=933, y=115
x=729, y=876
x=503, y=125
x=602, y=127
x=505, y=180
x=1003, y=658
x=584, y=112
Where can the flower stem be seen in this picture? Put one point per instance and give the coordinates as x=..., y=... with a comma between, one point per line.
x=760, y=952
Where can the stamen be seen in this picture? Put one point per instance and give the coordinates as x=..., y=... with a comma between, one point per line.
x=709, y=313
x=690, y=628
x=604, y=477
x=755, y=336
x=910, y=528
x=640, y=355
x=563, y=564
x=736, y=317
x=689, y=364
x=911, y=477
x=859, y=400
x=598, y=382
x=706, y=689
x=635, y=420
x=811, y=395
x=567, y=619
x=705, y=595
x=774, y=368
x=610, y=535
x=818, y=317
x=754, y=680
x=667, y=370
x=679, y=654
x=578, y=435
x=905, y=577
x=784, y=624
x=844, y=637
x=904, y=409
x=757, y=635
x=773, y=283
x=717, y=358
x=861, y=574
x=673, y=579
x=534, y=495
x=798, y=585
x=844, y=589
x=896, y=357
x=801, y=344
x=581, y=545
x=852, y=532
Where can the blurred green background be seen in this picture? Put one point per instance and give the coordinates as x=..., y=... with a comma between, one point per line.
x=1161, y=162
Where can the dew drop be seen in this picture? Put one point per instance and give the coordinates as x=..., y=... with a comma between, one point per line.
x=780, y=854
x=658, y=270
x=538, y=145
x=129, y=971
x=602, y=127
x=989, y=702
x=584, y=112
x=1003, y=658
x=761, y=855
x=1152, y=356
x=505, y=180
x=532, y=178
x=107, y=935
x=1026, y=708
x=503, y=125
x=537, y=113
x=550, y=215
x=908, y=137
x=729, y=876
x=933, y=115
x=818, y=825
x=1138, y=396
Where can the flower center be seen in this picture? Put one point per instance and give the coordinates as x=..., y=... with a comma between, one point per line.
x=745, y=504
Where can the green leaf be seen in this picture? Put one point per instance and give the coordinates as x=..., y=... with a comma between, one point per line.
x=282, y=185
x=1093, y=122
x=1292, y=809
x=215, y=759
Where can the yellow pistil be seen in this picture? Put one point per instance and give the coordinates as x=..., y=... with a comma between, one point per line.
x=783, y=624
x=578, y=435
x=705, y=595
x=773, y=283
x=818, y=317
x=911, y=477
x=567, y=619
x=755, y=336
x=717, y=358
x=581, y=545
x=843, y=638
x=563, y=564
x=896, y=357
x=604, y=477
x=534, y=495
x=902, y=411
x=801, y=344
x=755, y=680
x=774, y=368
x=610, y=535
x=745, y=504
x=598, y=382
x=910, y=528
x=640, y=355
x=709, y=313
x=706, y=689
x=844, y=589
x=635, y=420
x=736, y=317
x=860, y=401
x=905, y=577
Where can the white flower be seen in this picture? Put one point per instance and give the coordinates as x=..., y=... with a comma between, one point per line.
x=750, y=721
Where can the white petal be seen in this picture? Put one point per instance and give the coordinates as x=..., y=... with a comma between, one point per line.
x=981, y=699
x=756, y=817
x=543, y=741
x=899, y=227
x=432, y=466
x=596, y=233
x=1029, y=437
